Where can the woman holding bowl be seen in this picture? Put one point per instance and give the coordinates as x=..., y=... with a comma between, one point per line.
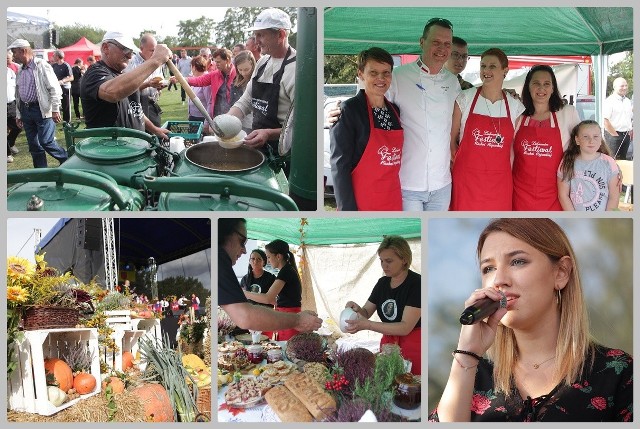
x=542, y=135
x=286, y=291
x=366, y=141
x=541, y=364
x=485, y=118
x=396, y=300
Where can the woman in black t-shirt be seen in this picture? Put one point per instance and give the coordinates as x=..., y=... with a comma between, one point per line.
x=396, y=299
x=257, y=279
x=286, y=291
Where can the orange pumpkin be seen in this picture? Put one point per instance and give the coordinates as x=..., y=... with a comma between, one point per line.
x=117, y=385
x=84, y=383
x=145, y=314
x=127, y=361
x=155, y=401
x=61, y=373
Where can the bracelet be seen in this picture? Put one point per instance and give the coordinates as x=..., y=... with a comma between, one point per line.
x=466, y=368
x=464, y=352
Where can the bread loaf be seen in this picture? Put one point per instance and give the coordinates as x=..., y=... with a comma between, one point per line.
x=287, y=406
x=319, y=403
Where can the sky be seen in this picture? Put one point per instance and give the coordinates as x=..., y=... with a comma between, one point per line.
x=132, y=20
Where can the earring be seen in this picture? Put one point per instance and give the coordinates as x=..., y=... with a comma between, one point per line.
x=559, y=298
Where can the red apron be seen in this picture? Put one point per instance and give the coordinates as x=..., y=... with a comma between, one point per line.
x=284, y=335
x=409, y=347
x=537, y=155
x=376, y=178
x=481, y=174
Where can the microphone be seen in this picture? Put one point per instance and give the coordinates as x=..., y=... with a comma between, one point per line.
x=481, y=310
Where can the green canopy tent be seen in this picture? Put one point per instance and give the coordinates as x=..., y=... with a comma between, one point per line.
x=595, y=31
x=338, y=257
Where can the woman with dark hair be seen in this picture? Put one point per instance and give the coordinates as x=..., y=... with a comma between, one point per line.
x=198, y=68
x=286, y=291
x=396, y=300
x=232, y=241
x=366, y=141
x=542, y=363
x=485, y=118
x=257, y=279
x=542, y=136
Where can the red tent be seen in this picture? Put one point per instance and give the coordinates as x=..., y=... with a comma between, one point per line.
x=81, y=49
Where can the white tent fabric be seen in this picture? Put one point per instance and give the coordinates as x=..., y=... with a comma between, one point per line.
x=341, y=273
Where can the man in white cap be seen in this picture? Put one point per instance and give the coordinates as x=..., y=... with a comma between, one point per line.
x=112, y=99
x=269, y=93
x=38, y=97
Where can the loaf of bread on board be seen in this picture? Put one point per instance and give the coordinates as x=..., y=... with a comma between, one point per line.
x=319, y=403
x=287, y=406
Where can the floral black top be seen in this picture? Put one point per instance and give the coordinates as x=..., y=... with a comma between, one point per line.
x=604, y=393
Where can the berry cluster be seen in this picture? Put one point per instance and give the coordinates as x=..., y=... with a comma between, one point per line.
x=338, y=382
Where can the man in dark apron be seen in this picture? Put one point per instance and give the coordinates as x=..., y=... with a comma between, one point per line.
x=270, y=92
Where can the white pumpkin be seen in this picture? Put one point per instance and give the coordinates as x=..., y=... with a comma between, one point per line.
x=56, y=395
x=226, y=126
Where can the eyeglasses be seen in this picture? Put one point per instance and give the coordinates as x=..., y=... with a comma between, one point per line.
x=243, y=237
x=439, y=21
x=124, y=50
x=456, y=56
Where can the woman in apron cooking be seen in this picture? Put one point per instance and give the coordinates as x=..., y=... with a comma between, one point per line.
x=485, y=117
x=366, y=141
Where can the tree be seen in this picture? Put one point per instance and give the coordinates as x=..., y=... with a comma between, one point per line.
x=182, y=285
x=231, y=30
x=340, y=68
x=196, y=32
x=70, y=34
x=623, y=69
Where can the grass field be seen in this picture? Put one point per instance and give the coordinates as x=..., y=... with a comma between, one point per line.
x=172, y=110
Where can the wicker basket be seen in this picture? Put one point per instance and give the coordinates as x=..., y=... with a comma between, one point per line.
x=49, y=317
x=204, y=401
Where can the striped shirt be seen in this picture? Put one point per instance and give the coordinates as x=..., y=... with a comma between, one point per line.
x=27, y=83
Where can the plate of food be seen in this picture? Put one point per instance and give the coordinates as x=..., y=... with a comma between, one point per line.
x=246, y=393
x=247, y=339
x=275, y=373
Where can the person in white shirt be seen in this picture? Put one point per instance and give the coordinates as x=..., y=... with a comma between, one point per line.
x=618, y=114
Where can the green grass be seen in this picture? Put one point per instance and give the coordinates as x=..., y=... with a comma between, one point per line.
x=172, y=110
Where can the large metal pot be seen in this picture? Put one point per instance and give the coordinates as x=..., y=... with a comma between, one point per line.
x=213, y=157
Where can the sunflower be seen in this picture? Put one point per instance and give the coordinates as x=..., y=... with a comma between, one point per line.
x=19, y=269
x=17, y=294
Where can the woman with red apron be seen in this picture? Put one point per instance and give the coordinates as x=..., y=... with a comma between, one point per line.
x=366, y=142
x=537, y=155
x=481, y=175
x=396, y=300
x=538, y=145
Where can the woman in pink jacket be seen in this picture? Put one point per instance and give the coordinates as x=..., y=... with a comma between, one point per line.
x=220, y=80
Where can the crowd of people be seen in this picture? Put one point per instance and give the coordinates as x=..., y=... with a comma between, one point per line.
x=419, y=137
x=253, y=80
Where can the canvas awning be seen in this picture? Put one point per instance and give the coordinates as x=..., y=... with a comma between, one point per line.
x=516, y=30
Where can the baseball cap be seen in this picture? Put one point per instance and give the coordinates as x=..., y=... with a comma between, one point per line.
x=271, y=18
x=19, y=43
x=121, y=38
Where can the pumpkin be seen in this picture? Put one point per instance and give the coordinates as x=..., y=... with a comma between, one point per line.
x=155, y=401
x=61, y=373
x=145, y=314
x=117, y=385
x=84, y=383
x=193, y=361
x=56, y=395
x=127, y=360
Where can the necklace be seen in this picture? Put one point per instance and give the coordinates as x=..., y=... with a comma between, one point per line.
x=498, y=137
x=537, y=365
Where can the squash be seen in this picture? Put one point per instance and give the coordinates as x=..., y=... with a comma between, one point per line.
x=117, y=385
x=84, y=383
x=127, y=360
x=61, y=373
x=193, y=361
x=155, y=401
x=56, y=395
x=145, y=314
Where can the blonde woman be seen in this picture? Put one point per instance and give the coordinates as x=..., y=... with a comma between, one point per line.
x=541, y=364
x=245, y=65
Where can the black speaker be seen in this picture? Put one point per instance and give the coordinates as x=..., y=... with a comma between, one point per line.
x=89, y=234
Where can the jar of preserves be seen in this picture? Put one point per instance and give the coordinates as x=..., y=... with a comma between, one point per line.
x=407, y=391
x=274, y=355
x=255, y=353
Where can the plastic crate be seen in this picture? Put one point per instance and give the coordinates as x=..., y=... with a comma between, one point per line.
x=27, y=385
x=191, y=131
